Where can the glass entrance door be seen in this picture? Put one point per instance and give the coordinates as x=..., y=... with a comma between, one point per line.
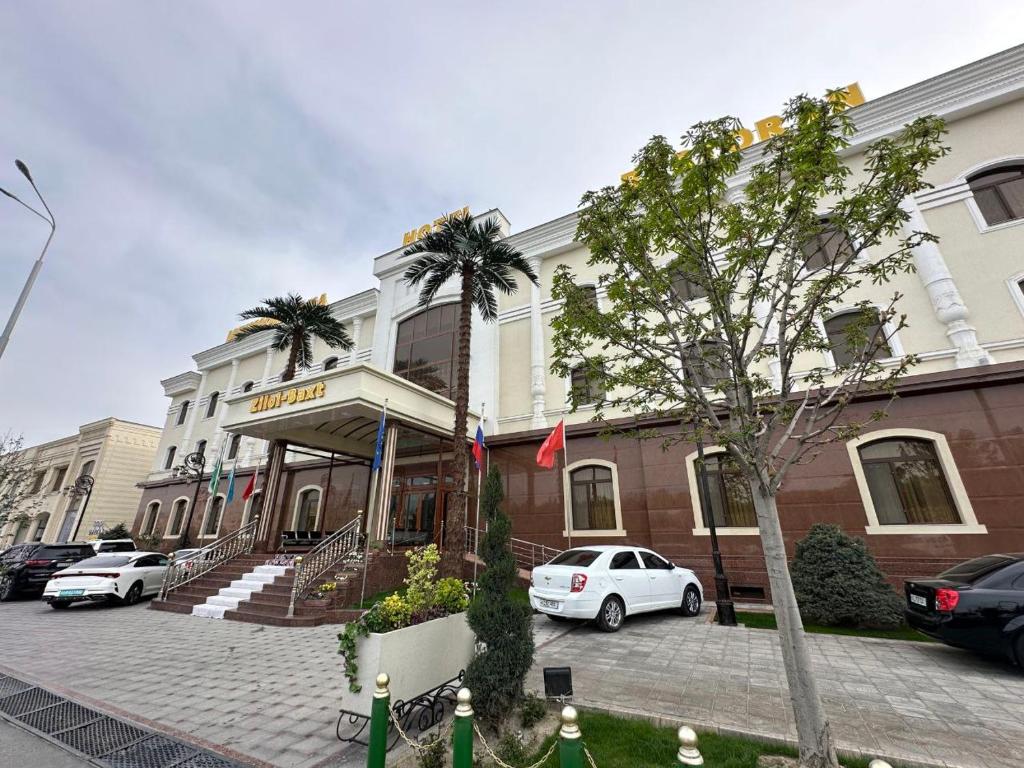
x=414, y=511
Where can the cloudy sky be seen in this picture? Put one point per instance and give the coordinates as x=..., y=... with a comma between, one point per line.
x=202, y=156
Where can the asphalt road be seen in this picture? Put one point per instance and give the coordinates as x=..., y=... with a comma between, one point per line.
x=26, y=750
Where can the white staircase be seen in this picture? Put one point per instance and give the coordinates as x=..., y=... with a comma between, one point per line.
x=228, y=598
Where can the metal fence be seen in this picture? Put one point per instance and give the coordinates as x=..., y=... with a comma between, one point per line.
x=236, y=543
x=340, y=545
x=528, y=554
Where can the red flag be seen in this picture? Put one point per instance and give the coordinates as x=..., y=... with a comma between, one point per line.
x=251, y=486
x=552, y=445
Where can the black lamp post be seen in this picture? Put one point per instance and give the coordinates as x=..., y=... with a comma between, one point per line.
x=723, y=598
x=5, y=337
x=191, y=468
x=82, y=485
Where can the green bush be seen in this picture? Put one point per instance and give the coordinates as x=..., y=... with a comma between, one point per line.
x=532, y=710
x=433, y=754
x=451, y=596
x=504, y=626
x=119, y=531
x=838, y=583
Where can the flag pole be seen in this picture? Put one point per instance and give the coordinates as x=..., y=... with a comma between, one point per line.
x=567, y=482
x=374, y=477
x=476, y=524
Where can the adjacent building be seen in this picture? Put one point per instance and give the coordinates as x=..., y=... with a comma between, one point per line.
x=115, y=454
x=940, y=480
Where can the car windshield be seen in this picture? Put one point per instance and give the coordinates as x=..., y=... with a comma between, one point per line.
x=580, y=558
x=972, y=570
x=105, y=561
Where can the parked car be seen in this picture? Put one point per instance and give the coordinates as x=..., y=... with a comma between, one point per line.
x=113, y=545
x=608, y=583
x=25, y=568
x=122, y=578
x=184, y=557
x=977, y=605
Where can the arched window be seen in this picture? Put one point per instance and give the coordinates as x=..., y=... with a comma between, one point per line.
x=686, y=288
x=247, y=387
x=426, y=350
x=169, y=459
x=212, y=524
x=201, y=447
x=587, y=386
x=182, y=412
x=999, y=193
x=830, y=244
x=330, y=363
x=907, y=483
x=149, y=519
x=252, y=507
x=233, y=446
x=728, y=494
x=838, y=330
x=41, y=522
x=177, y=518
x=211, y=407
x=307, y=507
x=593, y=498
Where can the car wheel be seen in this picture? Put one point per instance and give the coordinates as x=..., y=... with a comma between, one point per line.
x=133, y=594
x=612, y=612
x=691, y=602
x=6, y=589
x=59, y=604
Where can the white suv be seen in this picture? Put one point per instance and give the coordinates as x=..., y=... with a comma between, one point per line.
x=113, y=545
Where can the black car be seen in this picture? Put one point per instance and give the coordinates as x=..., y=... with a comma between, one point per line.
x=25, y=568
x=977, y=605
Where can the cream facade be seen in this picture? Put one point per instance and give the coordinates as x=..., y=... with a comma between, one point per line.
x=116, y=454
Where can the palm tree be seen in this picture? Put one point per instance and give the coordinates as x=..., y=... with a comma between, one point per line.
x=484, y=264
x=295, y=322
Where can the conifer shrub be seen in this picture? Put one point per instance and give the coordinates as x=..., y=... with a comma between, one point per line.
x=119, y=531
x=502, y=625
x=838, y=583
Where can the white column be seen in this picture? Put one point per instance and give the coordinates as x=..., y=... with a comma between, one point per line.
x=222, y=407
x=387, y=473
x=357, y=329
x=538, y=373
x=186, y=441
x=947, y=303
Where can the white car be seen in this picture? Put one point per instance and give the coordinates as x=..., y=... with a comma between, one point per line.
x=608, y=583
x=121, y=578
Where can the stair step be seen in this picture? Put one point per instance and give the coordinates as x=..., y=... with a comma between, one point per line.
x=208, y=611
x=249, y=583
x=226, y=600
x=275, y=570
x=235, y=592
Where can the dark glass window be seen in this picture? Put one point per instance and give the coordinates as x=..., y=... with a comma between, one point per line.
x=177, y=517
x=149, y=521
x=309, y=503
x=213, y=518
x=247, y=387
x=42, y=520
x=211, y=408
x=593, y=499
x=999, y=193
x=580, y=558
x=254, y=507
x=686, y=288
x=907, y=484
x=201, y=447
x=830, y=244
x=58, y=479
x=587, y=386
x=37, y=482
x=624, y=561
x=182, y=412
x=842, y=352
x=730, y=499
x=169, y=460
x=330, y=363
x=426, y=348
x=233, y=446
x=655, y=563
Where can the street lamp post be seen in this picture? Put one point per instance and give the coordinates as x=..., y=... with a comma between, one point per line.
x=83, y=484
x=192, y=467
x=23, y=297
x=723, y=598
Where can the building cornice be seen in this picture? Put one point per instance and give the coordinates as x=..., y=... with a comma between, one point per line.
x=180, y=384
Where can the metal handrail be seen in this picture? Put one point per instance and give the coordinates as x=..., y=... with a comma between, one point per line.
x=309, y=567
x=528, y=554
x=236, y=543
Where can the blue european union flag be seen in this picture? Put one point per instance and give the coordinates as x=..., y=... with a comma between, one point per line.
x=378, y=451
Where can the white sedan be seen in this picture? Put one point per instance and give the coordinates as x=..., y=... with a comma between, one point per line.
x=608, y=583
x=120, y=578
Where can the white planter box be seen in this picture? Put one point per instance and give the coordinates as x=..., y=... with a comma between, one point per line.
x=417, y=659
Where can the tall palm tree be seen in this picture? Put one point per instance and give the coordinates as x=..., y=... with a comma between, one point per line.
x=295, y=322
x=483, y=264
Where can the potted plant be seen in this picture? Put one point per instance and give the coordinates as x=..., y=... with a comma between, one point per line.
x=421, y=639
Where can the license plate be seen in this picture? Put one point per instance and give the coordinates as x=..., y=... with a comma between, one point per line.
x=919, y=600
x=549, y=604
x=71, y=592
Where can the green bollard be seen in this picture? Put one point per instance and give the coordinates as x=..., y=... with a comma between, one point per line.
x=462, y=732
x=570, y=745
x=380, y=722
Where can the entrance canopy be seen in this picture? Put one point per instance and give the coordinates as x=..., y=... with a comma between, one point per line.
x=339, y=410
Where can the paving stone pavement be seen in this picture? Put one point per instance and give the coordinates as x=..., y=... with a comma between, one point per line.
x=921, y=702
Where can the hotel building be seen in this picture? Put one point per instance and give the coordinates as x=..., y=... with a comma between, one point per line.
x=940, y=480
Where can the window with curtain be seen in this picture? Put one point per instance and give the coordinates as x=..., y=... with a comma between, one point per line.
x=999, y=193
x=211, y=407
x=729, y=494
x=587, y=386
x=907, y=483
x=426, y=348
x=213, y=518
x=233, y=446
x=830, y=244
x=842, y=352
x=182, y=412
x=593, y=499
x=177, y=517
x=305, y=516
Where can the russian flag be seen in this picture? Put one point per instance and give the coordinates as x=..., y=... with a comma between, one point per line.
x=478, y=447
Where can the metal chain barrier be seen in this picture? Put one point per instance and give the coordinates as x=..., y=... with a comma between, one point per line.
x=442, y=731
x=502, y=763
x=590, y=757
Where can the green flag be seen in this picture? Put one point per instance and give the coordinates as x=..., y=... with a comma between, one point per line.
x=215, y=477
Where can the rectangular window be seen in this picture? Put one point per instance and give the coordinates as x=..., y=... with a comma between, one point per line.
x=58, y=478
x=907, y=484
x=37, y=482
